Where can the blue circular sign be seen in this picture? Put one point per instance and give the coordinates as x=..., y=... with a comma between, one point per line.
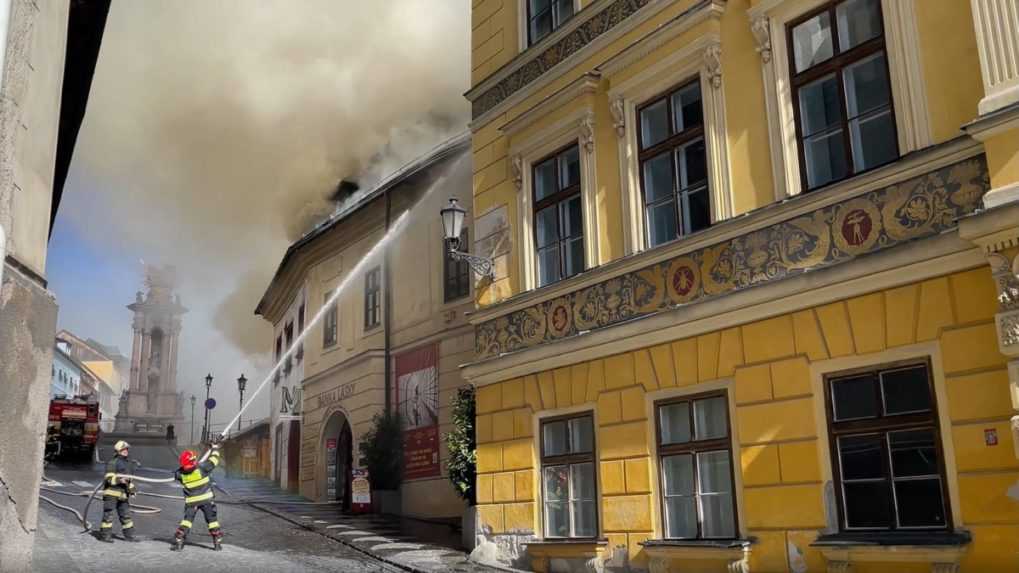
x=210, y=403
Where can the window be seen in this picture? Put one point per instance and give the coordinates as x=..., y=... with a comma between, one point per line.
x=456, y=274
x=329, y=322
x=288, y=333
x=558, y=216
x=695, y=458
x=568, y=477
x=887, y=452
x=842, y=98
x=673, y=165
x=544, y=16
x=372, y=298
x=300, y=329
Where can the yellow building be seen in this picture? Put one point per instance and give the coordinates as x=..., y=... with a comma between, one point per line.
x=755, y=304
x=393, y=337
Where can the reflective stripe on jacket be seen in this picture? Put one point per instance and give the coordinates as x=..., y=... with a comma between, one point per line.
x=197, y=483
x=118, y=465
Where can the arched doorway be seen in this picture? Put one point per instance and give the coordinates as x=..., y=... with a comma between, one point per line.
x=337, y=447
x=294, y=456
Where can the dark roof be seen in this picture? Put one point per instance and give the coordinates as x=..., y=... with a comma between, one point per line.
x=444, y=150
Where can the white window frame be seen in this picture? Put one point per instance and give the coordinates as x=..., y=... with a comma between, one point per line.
x=523, y=23
x=587, y=408
x=769, y=19
x=525, y=150
x=701, y=60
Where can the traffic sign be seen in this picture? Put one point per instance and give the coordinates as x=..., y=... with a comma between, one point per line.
x=210, y=403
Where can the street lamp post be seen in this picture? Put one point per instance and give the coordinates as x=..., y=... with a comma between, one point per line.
x=208, y=387
x=452, y=224
x=241, y=383
x=193, y=400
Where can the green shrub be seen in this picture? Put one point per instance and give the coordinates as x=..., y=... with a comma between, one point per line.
x=382, y=451
x=462, y=444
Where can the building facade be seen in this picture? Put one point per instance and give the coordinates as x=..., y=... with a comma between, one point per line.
x=106, y=365
x=755, y=303
x=67, y=372
x=391, y=333
x=47, y=56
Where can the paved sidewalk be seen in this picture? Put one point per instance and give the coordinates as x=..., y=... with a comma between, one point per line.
x=421, y=547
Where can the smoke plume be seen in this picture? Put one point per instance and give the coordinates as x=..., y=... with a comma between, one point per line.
x=216, y=131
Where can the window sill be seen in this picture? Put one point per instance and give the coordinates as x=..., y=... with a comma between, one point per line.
x=667, y=550
x=566, y=548
x=936, y=548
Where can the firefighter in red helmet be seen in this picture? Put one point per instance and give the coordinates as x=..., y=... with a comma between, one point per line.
x=198, y=496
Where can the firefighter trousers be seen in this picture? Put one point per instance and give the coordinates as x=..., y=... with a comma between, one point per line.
x=208, y=509
x=123, y=510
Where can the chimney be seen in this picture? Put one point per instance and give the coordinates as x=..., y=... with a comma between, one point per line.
x=344, y=191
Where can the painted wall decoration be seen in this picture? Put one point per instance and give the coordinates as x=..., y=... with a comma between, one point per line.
x=920, y=207
x=417, y=400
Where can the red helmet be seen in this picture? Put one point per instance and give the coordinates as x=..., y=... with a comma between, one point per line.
x=188, y=460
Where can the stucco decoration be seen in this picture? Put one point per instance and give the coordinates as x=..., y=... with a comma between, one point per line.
x=577, y=39
x=587, y=132
x=761, y=29
x=1007, y=318
x=924, y=206
x=713, y=64
x=618, y=108
x=517, y=171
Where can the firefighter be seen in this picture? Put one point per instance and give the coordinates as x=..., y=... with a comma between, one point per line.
x=115, y=496
x=198, y=495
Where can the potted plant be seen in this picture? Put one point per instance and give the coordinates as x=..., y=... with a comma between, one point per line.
x=462, y=465
x=382, y=454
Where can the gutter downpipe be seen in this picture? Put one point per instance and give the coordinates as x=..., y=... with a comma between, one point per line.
x=387, y=309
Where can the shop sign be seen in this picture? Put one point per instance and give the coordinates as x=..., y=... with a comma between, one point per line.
x=335, y=395
x=417, y=397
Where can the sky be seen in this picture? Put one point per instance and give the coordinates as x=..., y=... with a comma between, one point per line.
x=214, y=135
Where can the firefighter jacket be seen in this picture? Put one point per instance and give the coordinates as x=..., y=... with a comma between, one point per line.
x=116, y=488
x=197, y=482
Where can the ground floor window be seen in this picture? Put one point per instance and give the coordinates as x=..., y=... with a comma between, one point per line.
x=568, y=477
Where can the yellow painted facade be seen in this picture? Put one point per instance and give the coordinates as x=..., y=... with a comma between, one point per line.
x=770, y=341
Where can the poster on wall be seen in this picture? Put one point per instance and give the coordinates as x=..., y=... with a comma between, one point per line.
x=360, y=491
x=417, y=399
x=331, y=468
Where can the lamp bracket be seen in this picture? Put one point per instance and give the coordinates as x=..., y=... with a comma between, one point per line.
x=484, y=266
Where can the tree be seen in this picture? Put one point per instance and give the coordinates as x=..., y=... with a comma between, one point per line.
x=462, y=444
x=382, y=451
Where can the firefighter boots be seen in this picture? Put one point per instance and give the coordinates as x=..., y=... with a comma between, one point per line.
x=178, y=544
x=217, y=542
x=105, y=536
x=129, y=535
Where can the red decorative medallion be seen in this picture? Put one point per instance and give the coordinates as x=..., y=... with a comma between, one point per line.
x=856, y=227
x=683, y=280
x=560, y=318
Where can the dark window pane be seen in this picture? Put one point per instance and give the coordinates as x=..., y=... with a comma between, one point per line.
x=874, y=140
x=674, y=423
x=658, y=180
x=680, y=517
x=557, y=486
x=581, y=435
x=654, y=123
x=582, y=478
x=573, y=257
x=868, y=504
x=662, y=223
x=854, y=397
x=906, y=390
x=564, y=9
x=820, y=108
x=573, y=217
x=554, y=440
x=557, y=519
x=544, y=179
x=710, y=418
x=866, y=83
x=861, y=457
x=548, y=265
x=859, y=21
x=585, y=519
x=692, y=164
x=913, y=453
x=677, y=471
x=696, y=210
x=569, y=167
x=825, y=156
x=713, y=472
x=920, y=503
x=541, y=25
x=812, y=41
x=538, y=6
x=717, y=519
x=546, y=227
x=686, y=107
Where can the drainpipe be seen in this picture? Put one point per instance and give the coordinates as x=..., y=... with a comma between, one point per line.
x=5, y=22
x=387, y=306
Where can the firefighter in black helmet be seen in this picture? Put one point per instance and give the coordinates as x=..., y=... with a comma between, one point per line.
x=115, y=496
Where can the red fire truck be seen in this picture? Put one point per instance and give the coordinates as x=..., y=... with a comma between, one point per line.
x=73, y=428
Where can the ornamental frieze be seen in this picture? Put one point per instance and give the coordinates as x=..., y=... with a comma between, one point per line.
x=920, y=207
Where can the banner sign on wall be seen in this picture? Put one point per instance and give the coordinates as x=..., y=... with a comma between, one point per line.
x=417, y=399
x=360, y=491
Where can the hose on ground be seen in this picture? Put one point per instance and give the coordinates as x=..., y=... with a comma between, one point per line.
x=135, y=507
x=80, y=517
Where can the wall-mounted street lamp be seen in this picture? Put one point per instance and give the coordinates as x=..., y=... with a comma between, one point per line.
x=205, y=427
x=241, y=383
x=452, y=224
